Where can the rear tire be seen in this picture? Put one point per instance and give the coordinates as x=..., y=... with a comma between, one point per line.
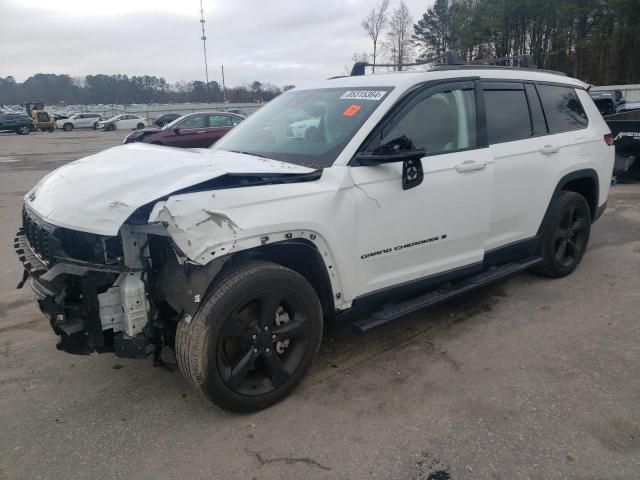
x=24, y=130
x=565, y=235
x=233, y=350
x=140, y=126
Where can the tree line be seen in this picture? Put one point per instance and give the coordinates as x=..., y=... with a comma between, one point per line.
x=123, y=89
x=594, y=40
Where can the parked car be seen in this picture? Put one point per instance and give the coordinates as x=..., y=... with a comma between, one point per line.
x=125, y=121
x=79, y=120
x=18, y=123
x=607, y=101
x=195, y=130
x=413, y=188
x=628, y=106
x=165, y=119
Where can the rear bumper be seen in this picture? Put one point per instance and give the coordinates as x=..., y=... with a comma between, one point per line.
x=71, y=294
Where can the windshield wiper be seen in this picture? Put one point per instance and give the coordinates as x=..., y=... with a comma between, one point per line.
x=250, y=153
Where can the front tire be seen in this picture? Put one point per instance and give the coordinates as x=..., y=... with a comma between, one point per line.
x=67, y=127
x=24, y=130
x=253, y=339
x=140, y=126
x=110, y=127
x=565, y=235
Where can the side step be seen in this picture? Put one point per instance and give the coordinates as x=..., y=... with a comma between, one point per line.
x=434, y=297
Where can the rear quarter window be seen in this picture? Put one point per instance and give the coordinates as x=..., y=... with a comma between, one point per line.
x=562, y=108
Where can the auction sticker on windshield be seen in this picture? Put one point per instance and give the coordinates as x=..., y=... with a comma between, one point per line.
x=375, y=95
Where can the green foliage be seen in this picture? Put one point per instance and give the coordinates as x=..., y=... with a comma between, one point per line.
x=122, y=89
x=595, y=40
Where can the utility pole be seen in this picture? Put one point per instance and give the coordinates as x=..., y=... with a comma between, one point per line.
x=204, y=47
x=224, y=89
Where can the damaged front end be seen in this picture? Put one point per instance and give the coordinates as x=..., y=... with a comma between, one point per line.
x=121, y=294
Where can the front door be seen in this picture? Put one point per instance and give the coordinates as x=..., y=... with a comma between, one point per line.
x=192, y=133
x=440, y=224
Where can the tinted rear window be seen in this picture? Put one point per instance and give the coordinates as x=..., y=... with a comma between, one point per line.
x=562, y=108
x=507, y=115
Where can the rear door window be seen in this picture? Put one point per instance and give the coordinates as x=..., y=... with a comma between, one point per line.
x=562, y=108
x=508, y=117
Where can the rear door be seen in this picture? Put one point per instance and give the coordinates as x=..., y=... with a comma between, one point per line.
x=219, y=125
x=441, y=224
x=531, y=146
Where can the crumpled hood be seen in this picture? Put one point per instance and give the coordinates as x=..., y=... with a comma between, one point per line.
x=96, y=194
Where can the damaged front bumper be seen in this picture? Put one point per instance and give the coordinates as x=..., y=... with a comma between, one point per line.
x=91, y=307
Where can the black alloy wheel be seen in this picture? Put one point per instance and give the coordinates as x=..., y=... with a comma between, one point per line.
x=253, y=339
x=566, y=231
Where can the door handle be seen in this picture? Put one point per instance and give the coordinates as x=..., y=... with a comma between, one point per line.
x=549, y=149
x=470, y=166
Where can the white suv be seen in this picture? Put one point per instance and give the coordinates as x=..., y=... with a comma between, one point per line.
x=79, y=120
x=406, y=189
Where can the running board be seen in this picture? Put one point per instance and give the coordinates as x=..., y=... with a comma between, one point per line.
x=398, y=310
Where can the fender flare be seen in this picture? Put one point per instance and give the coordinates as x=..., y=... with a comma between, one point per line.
x=589, y=173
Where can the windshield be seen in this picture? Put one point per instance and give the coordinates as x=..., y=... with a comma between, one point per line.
x=305, y=127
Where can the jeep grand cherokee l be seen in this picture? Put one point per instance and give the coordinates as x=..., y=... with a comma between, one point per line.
x=405, y=190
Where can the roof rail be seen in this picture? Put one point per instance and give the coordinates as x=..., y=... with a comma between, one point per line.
x=446, y=58
x=522, y=61
x=453, y=60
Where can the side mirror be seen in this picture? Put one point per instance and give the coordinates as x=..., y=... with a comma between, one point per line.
x=412, y=172
x=176, y=130
x=369, y=159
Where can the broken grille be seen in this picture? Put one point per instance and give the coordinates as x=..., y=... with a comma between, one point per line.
x=38, y=236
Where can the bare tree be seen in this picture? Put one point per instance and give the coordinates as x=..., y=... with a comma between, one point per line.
x=374, y=23
x=399, y=45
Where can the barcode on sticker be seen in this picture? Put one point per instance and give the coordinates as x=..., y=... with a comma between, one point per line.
x=363, y=95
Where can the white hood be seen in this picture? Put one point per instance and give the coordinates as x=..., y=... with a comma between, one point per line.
x=96, y=194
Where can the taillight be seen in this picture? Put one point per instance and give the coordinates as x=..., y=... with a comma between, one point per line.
x=608, y=139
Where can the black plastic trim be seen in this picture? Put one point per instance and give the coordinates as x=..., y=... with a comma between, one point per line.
x=412, y=286
x=577, y=175
x=599, y=211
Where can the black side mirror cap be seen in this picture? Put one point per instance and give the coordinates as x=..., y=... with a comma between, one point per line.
x=369, y=159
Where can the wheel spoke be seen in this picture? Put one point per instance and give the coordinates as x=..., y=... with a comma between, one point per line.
x=579, y=223
x=291, y=329
x=562, y=250
x=269, y=304
x=275, y=369
x=240, y=369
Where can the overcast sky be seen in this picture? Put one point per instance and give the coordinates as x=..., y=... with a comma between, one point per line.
x=277, y=41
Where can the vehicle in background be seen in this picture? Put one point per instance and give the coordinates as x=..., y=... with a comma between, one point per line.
x=165, y=119
x=125, y=121
x=629, y=105
x=195, y=130
x=43, y=121
x=237, y=111
x=16, y=122
x=625, y=129
x=31, y=106
x=79, y=120
x=607, y=101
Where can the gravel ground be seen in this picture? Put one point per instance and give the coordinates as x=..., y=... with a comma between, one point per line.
x=528, y=379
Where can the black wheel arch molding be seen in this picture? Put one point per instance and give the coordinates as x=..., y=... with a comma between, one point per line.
x=584, y=182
